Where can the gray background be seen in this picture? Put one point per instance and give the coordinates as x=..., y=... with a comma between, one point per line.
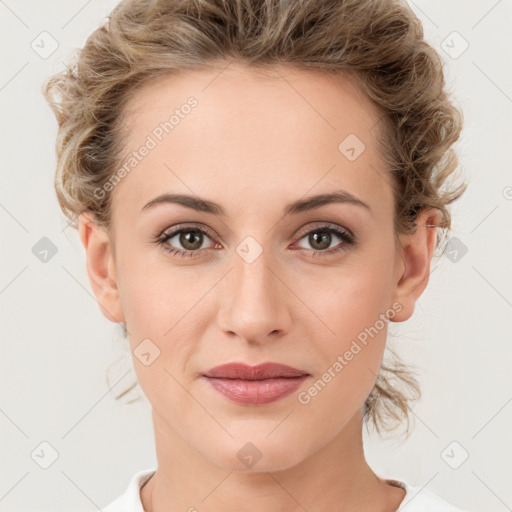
x=58, y=349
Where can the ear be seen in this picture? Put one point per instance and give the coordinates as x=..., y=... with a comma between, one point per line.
x=412, y=269
x=100, y=267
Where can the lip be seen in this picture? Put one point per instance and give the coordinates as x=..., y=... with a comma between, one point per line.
x=255, y=385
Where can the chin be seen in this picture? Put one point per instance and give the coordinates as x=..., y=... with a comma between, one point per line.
x=260, y=455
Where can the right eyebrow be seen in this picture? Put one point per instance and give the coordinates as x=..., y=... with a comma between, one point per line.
x=193, y=202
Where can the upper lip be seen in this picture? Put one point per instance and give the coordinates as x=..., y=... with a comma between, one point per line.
x=259, y=372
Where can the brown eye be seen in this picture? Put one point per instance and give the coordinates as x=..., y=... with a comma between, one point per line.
x=321, y=239
x=191, y=240
x=187, y=241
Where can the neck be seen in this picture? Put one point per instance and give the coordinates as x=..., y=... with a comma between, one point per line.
x=337, y=477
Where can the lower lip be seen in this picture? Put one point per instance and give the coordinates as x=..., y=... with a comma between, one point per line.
x=256, y=392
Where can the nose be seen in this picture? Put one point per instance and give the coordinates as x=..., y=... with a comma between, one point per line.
x=253, y=301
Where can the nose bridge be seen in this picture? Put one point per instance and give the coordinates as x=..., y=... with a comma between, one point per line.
x=253, y=305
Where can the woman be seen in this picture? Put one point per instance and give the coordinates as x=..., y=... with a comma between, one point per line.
x=260, y=186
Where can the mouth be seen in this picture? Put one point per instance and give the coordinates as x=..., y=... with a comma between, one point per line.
x=255, y=385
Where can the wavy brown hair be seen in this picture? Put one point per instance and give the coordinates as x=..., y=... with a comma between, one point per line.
x=378, y=44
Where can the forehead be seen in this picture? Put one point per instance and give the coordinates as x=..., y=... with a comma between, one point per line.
x=239, y=96
x=252, y=131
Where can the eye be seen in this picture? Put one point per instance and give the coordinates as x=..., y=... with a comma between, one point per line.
x=190, y=240
x=321, y=238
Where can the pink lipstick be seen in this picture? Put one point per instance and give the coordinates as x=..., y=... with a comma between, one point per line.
x=255, y=385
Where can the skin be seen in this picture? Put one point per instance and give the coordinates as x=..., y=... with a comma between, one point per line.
x=254, y=143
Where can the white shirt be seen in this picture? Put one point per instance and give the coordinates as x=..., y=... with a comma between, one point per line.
x=416, y=499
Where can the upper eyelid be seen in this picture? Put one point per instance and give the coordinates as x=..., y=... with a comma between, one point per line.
x=325, y=224
x=172, y=232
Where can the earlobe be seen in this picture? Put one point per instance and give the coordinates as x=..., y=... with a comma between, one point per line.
x=412, y=269
x=100, y=267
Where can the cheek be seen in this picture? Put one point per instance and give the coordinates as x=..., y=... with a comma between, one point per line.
x=167, y=305
x=352, y=353
x=155, y=293
x=351, y=298
x=354, y=306
x=357, y=301
x=160, y=304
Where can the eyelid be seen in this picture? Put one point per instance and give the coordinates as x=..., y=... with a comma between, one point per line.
x=324, y=224
x=301, y=233
x=174, y=230
x=161, y=240
x=344, y=234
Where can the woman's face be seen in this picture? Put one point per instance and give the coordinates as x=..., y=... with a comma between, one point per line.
x=254, y=279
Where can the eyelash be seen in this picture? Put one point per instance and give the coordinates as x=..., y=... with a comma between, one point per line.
x=345, y=236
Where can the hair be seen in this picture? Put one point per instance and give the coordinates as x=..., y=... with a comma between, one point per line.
x=377, y=44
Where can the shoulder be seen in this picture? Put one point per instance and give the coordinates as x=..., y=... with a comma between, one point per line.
x=419, y=499
x=130, y=500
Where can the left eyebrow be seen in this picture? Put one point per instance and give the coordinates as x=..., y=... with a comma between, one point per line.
x=300, y=206
x=313, y=202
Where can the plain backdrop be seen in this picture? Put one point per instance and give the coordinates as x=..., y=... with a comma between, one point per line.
x=62, y=363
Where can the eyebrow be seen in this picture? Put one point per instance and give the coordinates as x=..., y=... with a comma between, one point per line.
x=299, y=206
